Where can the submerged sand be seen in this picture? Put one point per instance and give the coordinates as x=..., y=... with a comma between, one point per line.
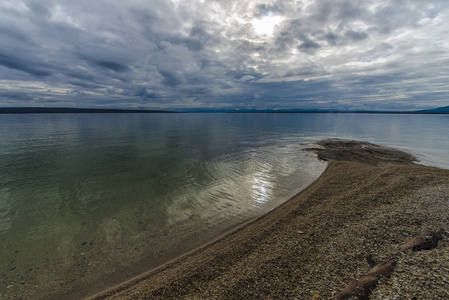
x=369, y=201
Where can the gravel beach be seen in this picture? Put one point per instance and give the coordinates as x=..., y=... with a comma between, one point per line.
x=369, y=202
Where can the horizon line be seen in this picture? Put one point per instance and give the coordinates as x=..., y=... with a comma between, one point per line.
x=42, y=110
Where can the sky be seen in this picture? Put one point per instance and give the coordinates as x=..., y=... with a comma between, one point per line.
x=225, y=54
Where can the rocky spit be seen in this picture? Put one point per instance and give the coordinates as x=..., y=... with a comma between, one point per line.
x=368, y=204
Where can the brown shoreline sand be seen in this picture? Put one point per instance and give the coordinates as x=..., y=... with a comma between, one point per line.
x=369, y=201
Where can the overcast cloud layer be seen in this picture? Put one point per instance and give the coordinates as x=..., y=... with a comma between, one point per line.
x=162, y=54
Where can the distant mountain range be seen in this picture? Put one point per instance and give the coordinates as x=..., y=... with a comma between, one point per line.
x=62, y=110
x=439, y=110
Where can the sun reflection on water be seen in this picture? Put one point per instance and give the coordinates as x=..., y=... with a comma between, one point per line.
x=262, y=185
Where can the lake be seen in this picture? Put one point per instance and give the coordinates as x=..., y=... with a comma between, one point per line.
x=89, y=200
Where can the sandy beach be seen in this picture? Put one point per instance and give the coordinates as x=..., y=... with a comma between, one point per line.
x=369, y=202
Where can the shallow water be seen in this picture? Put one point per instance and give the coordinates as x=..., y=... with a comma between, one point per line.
x=89, y=200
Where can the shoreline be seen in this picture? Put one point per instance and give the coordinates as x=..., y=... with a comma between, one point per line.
x=368, y=201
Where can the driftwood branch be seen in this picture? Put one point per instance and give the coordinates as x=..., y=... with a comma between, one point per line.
x=418, y=243
x=360, y=289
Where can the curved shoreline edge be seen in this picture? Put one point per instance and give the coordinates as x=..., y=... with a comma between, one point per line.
x=368, y=201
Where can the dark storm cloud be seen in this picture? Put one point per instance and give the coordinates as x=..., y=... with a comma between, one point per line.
x=85, y=84
x=113, y=66
x=212, y=54
x=170, y=79
x=308, y=46
x=15, y=95
x=15, y=63
x=13, y=35
x=143, y=93
x=356, y=35
x=331, y=38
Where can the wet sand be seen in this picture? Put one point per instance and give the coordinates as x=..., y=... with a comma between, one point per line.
x=369, y=201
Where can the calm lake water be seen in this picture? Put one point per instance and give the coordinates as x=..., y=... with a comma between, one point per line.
x=89, y=200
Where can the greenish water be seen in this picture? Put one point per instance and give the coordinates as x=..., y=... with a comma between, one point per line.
x=87, y=201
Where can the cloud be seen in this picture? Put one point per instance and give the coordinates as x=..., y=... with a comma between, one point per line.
x=113, y=66
x=15, y=63
x=143, y=93
x=308, y=46
x=170, y=79
x=15, y=95
x=356, y=35
x=207, y=54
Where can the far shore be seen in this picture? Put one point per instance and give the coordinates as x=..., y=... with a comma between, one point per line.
x=369, y=202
